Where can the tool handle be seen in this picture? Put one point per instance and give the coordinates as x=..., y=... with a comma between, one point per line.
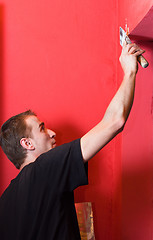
x=143, y=62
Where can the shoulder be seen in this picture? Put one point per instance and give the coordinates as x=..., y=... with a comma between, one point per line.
x=61, y=150
x=59, y=154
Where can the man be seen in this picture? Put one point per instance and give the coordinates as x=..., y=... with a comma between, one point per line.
x=39, y=202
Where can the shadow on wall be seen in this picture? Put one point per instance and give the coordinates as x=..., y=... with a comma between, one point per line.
x=1, y=83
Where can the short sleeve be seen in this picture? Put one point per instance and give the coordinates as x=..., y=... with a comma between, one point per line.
x=63, y=167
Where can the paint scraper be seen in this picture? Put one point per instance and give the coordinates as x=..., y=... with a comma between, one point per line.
x=124, y=37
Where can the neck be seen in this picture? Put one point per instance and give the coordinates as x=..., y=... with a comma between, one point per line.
x=27, y=161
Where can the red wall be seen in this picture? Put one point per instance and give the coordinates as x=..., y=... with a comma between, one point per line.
x=132, y=11
x=137, y=156
x=137, y=140
x=60, y=58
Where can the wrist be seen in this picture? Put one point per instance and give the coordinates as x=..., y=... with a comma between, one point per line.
x=130, y=74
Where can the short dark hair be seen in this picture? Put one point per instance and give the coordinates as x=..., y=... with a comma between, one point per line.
x=11, y=133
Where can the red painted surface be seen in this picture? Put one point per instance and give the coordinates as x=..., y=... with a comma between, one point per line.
x=137, y=145
x=58, y=61
x=144, y=31
x=60, y=58
x=137, y=156
x=132, y=12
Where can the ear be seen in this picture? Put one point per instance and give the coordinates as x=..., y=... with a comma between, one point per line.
x=27, y=144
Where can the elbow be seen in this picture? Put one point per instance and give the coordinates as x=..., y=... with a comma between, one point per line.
x=120, y=123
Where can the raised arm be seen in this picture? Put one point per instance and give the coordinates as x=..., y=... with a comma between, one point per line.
x=119, y=108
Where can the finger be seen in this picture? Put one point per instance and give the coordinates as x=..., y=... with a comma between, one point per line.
x=132, y=47
x=135, y=49
x=139, y=52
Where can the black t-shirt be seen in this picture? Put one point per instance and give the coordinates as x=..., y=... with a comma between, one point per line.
x=39, y=202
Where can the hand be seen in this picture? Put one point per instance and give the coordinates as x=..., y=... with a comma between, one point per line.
x=128, y=58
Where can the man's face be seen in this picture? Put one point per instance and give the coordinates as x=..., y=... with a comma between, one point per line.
x=43, y=139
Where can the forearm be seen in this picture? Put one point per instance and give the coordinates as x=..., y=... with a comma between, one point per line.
x=113, y=120
x=120, y=106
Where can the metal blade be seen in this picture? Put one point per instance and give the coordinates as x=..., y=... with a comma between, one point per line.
x=124, y=37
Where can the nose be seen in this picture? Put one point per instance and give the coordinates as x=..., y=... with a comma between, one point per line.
x=51, y=133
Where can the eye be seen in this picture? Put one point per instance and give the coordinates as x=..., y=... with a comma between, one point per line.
x=42, y=127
